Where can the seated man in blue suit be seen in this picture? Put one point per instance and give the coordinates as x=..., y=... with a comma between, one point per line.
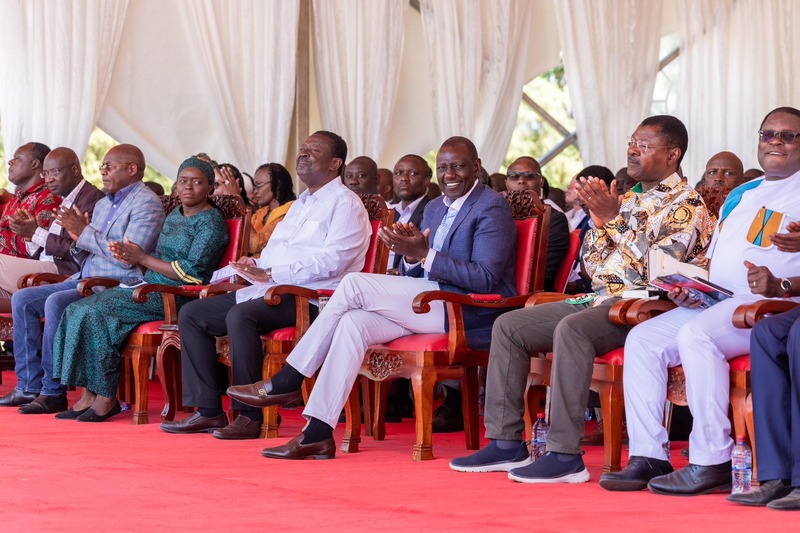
x=129, y=211
x=467, y=245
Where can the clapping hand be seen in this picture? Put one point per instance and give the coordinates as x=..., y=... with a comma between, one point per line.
x=127, y=252
x=406, y=240
x=603, y=203
x=23, y=223
x=74, y=221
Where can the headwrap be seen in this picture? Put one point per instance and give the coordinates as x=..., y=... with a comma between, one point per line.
x=199, y=164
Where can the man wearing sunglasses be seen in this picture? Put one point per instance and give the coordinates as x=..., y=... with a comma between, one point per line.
x=525, y=174
x=752, y=254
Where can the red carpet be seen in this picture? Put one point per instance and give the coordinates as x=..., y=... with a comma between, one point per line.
x=68, y=476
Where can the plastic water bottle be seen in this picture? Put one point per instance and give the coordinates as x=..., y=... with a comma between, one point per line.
x=741, y=466
x=540, y=430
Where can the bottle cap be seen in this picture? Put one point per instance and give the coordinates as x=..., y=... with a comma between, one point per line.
x=741, y=438
x=540, y=415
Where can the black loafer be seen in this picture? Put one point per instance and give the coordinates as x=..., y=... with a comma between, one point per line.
x=693, y=480
x=790, y=502
x=17, y=397
x=71, y=414
x=761, y=496
x=45, y=405
x=636, y=475
x=91, y=416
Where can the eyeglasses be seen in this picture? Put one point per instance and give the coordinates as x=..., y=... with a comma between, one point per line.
x=105, y=167
x=643, y=146
x=258, y=186
x=527, y=176
x=786, y=136
x=54, y=172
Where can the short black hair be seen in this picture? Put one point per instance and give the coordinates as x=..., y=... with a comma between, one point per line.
x=338, y=147
x=39, y=151
x=428, y=171
x=463, y=141
x=280, y=182
x=785, y=109
x=598, y=171
x=672, y=130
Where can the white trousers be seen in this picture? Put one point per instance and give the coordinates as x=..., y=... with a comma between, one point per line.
x=702, y=341
x=365, y=309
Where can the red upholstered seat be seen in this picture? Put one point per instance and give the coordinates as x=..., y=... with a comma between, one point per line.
x=283, y=334
x=526, y=242
x=232, y=250
x=149, y=327
x=741, y=363
x=565, y=269
x=425, y=342
x=614, y=357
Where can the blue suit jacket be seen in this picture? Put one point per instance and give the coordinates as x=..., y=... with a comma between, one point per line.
x=478, y=256
x=140, y=218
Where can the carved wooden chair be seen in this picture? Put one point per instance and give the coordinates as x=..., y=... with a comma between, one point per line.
x=279, y=343
x=150, y=338
x=428, y=358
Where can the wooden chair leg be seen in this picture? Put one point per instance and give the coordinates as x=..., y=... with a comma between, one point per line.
x=751, y=432
x=380, y=394
x=612, y=403
x=469, y=406
x=269, y=428
x=738, y=400
x=423, y=382
x=141, y=367
x=352, y=431
x=168, y=370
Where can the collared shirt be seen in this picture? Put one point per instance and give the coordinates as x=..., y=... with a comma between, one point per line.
x=39, y=239
x=40, y=202
x=404, y=217
x=575, y=217
x=324, y=236
x=116, y=200
x=671, y=216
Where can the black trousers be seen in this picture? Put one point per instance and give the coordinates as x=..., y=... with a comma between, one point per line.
x=200, y=321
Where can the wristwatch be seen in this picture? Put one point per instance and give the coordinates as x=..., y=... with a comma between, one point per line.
x=786, y=285
x=268, y=272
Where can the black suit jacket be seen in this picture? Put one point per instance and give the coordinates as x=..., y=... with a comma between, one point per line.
x=59, y=245
x=557, y=246
x=416, y=219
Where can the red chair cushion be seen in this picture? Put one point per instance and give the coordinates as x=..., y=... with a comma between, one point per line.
x=741, y=363
x=526, y=231
x=149, y=327
x=372, y=251
x=418, y=343
x=283, y=334
x=614, y=357
x=234, y=229
x=565, y=269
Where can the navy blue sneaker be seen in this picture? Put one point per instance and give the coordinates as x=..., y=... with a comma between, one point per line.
x=552, y=468
x=492, y=459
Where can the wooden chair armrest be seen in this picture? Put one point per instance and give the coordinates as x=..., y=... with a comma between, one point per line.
x=747, y=315
x=187, y=291
x=641, y=310
x=546, y=298
x=220, y=288
x=617, y=313
x=86, y=286
x=421, y=303
x=42, y=278
x=273, y=295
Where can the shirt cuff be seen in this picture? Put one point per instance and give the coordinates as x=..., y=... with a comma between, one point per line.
x=40, y=237
x=282, y=274
x=428, y=262
x=31, y=248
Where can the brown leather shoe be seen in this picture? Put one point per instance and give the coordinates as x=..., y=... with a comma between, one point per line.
x=195, y=424
x=325, y=449
x=17, y=397
x=240, y=429
x=258, y=395
x=44, y=405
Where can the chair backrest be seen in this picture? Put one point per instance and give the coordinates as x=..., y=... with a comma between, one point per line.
x=532, y=219
x=568, y=263
x=377, y=256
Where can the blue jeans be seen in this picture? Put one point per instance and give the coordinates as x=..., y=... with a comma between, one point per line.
x=28, y=306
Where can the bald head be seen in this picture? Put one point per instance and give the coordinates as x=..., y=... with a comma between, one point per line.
x=123, y=165
x=724, y=170
x=361, y=175
x=385, y=184
x=61, y=171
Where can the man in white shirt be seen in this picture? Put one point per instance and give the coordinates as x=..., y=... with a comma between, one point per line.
x=324, y=236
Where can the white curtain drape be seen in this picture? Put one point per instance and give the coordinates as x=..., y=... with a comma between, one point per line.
x=610, y=51
x=249, y=51
x=477, y=55
x=738, y=61
x=358, y=48
x=56, y=60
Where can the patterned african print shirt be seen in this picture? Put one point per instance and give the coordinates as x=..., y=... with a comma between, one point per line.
x=671, y=216
x=41, y=203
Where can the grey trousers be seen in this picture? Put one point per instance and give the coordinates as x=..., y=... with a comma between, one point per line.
x=575, y=334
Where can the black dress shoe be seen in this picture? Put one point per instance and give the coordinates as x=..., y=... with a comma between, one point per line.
x=17, y=397
x=636, y=475
x=195, y=424
x=258, y=395
x=91, y=416
x=240, y=429
x=768, y=491
x=44, y=405
x=790, y=502
x=71, y=413
x=325, y=449
x=446, y=420
x=693, y=480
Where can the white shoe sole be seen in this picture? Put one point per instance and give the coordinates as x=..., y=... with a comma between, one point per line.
x=577, y=477
x=497, y=467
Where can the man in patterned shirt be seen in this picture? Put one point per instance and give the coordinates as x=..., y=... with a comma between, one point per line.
x=31, y=196
x=660, y=211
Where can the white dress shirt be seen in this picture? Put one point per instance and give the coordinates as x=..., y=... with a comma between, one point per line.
x=323, y=237
x=39, y=238
x=404, y=217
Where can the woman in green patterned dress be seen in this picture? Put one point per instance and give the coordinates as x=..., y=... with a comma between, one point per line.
x=92, y=330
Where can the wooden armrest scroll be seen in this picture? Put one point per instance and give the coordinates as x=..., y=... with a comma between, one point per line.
x=746, y=316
